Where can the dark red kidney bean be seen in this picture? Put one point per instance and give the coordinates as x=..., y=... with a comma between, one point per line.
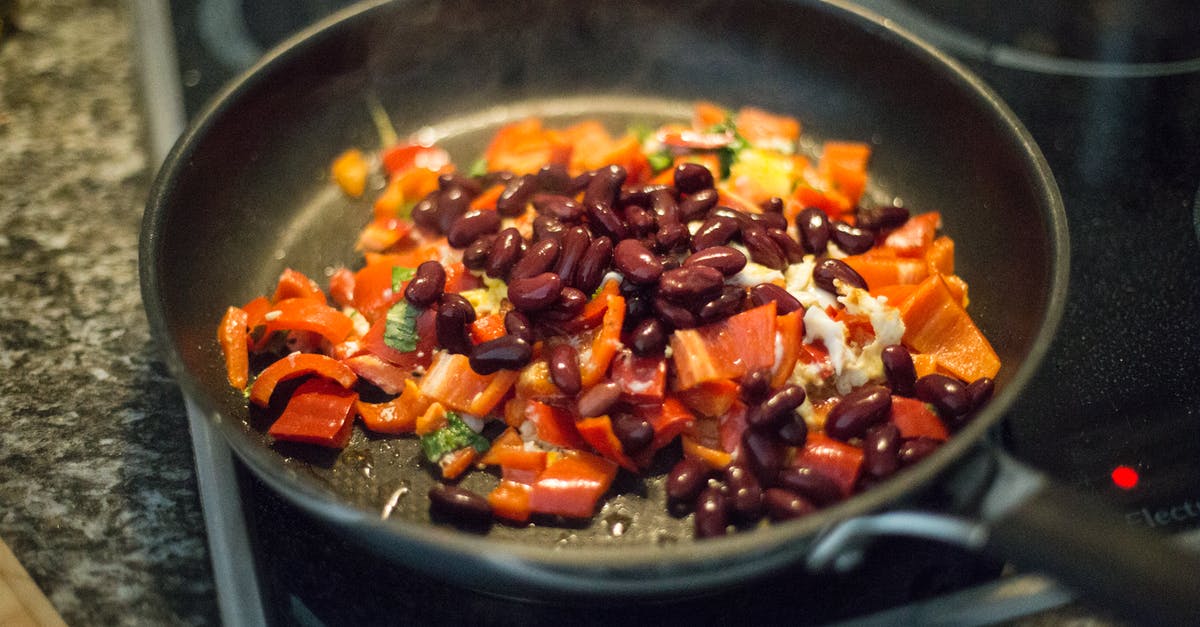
x=604, y=219
x=691, y=284
x=547, y=227
x=745, y=493
x=637, y=308
x=810, y=483
x=980, y=391
x=506, y=352
x=692, y=177
x=774, y=204
x=559, y=207
x=518, y=325
x=851, y=239
x=425, y=213
x=715, y=231
x=581, y=182
x=497, y=177
x=427, y=284
x=670, y=237
x=570, y=304
x=553, y=178
x=726, y=304
x=506, y=250
x=881, y=217
x=598, y=399
x=475, y=255
x=594, y=264
x=676, y=316
x=634, y=433
x=790, y=247
x=771, y=413
x=764, y=293
x=540, y=258
x=914, y=450
x=665, y=206
x=470, y=225
x=636, y=263
x=454, y=180
x=641, y=222
x=458, y=505
x=563, y=360
x=516, y=195
x=793, y=431
x=453, y=315
x=784, y=505
x=881, y=447
x=640, y=195
x=858, y=411
x=605, y=186
x=573, y=244
x=451, y=204
x=686, y=479
x=726, y=260
x=744, y=221
x=763, y=453
x=536, y=292
x=756, y=386
x=947, y=394
x=829, y=269
x=813, y=226
x=712, y=513
x=763, y=249
x=771, y=221
x=648, y=338
x=696, y=205
x=899, y=369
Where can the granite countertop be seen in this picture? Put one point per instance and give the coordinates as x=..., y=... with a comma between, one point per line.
x=97, y=494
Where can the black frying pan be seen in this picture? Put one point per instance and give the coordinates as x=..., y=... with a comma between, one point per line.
x=245, y=193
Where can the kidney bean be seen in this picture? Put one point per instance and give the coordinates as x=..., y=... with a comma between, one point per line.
x=648, y=337
x=726, y=260
x=573, y=244
x=715, y=231
x=698, y=204
x=636, y=263
x=641, y=222
x=726, y=304
x=712, y=513
x=427, y=284
x=980, y=391
x=634, y=433
x=674, y=315
x=570, y=304
x=694, y=284
x=470, y=225
x=771, y=221
x=793, y=431
x=581, y=182
x=772, y=413
x=745, y=493
x=774, y=204
x=685, y=480
x=692, y=177
x=425, y=213
x=829, y=269
x=756, y=386
x=498, y=177
x=458, y=505
x=598, y=399
x=506, y=250
x=813, y=227
x=665, y=206
x=763, y=453
x=763, y=249
x=852, y=240
x=744, y=221
x=640, y=195
x=671, y=236
x=476, y=254
x=516, y=195
x=506, y=352
x=899, y=369
x=559, y=207
x=553, y=178
x=858, y=411
x=784, y=505
x=764, y=293
x=790, y=247
x=451, y=181
x=594, y=264
x=451, y=203
x=540, y=258
x=605, y=186
x=518, y=325
x=547, y=227
x=881, y=217
x=536, y=292
x=881, y=447
x=453, y=315
x=563, y=360
x=914, y=450
x=947, y=394
x=810, y=483
x=602, y=217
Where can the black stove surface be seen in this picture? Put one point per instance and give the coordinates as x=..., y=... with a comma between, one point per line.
x=1112, y=97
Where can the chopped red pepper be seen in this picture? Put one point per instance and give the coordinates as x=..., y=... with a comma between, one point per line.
x=572, y=484
x=915, y=419
x=598, y=432
x=837, y=460
x=231, y=334
x=298, y=365
x=294, y=284
x=725, y=350
x=319, y=412
x=307, y=314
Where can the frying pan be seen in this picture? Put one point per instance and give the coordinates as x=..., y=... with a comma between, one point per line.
x=245, y=193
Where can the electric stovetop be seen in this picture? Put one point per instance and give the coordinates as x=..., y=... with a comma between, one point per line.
x=1111, y=92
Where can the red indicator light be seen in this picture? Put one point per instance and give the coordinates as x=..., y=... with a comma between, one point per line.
x=1125, y=477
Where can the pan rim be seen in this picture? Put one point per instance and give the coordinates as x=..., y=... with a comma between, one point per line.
x=738, y=547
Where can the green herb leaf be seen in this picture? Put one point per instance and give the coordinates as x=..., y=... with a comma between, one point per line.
x=728, y=154
x=660, y=160
x=400, y=332
x=452, y=437
x=400, y=275
x=479, y=168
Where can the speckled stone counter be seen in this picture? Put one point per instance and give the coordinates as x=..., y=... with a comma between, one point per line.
x=97, y=495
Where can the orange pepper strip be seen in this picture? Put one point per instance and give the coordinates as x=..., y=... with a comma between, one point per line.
x=350, y=171
x=508, y=451
x=790, y=329
x=715, y=459
x=398, y=415
x=296, y=365
x=510, y=500
x=231, y=334
x=935, y=323
x=295, y=284
x=598, y=432
x=488, y=327
x=487, y=200
x=455, y=463
x=606, y=343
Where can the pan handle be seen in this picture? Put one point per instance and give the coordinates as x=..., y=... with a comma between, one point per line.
x=1037, y=525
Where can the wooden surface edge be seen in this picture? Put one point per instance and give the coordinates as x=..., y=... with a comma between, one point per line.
x=21, y=601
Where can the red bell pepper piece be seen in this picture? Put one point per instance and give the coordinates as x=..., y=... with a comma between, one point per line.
x=915, y=236
x=231, y=334
x=725, y=350
x=839, y=461
x=598, y=432
x=731, y=426
x=319, y=412
x=420, y=357
x=385, y=376
x=294, y=284
x=402, y=157
x=572, y=484
x=790, y=328
x=398, y=415
x=487, y=327
x=297, y=365
x=508, y=451
x=554, y=426
x=307, y=314
x=669, y=420
x=451, y=381
x=643, y=380
x=595, y=358
x=711, y=398
x=915, y=419
x=510, y=500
